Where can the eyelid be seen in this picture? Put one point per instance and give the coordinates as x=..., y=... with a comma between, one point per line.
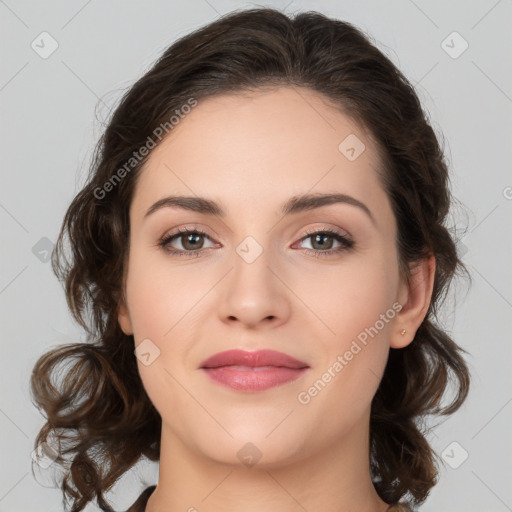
x=166, y=238
x=345, y=240
x=333, y=231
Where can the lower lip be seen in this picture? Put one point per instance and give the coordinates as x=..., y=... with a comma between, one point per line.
x=253, y=379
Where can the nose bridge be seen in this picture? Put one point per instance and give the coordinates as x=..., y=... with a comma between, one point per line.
x=251, y=262
x=252, y=292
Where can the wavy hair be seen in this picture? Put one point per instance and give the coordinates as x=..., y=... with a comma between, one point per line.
x=96, y=409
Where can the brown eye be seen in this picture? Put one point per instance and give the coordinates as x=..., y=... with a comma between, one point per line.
x=191, y=241
x=323, y=240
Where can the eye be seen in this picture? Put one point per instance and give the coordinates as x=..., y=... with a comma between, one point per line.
x=320, y=239
x=190, y=241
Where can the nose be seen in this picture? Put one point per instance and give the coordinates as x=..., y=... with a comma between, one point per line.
x=254, y=293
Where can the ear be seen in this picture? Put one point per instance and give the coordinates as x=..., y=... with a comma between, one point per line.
x=123, y=317
x=414, y=297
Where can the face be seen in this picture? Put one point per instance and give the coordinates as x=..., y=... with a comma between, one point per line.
x=319, y=284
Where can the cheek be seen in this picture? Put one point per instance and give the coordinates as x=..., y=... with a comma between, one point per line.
x=355, y=304
x=354, y=295
x=158, y=294
x=156, y=312
x=163, y=303
x=357, y=314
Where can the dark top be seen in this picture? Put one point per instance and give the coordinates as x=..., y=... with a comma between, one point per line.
x=140, y=504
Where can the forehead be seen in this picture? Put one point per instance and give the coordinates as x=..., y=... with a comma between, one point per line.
x=257, y=148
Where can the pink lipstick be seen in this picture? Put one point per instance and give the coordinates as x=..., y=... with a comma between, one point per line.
x=253, y=371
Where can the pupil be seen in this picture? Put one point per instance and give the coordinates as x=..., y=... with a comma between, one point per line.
x=320, y=236
x=190, y=238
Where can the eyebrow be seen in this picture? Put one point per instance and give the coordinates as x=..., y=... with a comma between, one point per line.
x=293, y=205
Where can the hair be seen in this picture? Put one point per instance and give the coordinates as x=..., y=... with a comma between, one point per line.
x=95, y=406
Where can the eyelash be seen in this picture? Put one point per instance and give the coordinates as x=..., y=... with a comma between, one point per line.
x=346, y=243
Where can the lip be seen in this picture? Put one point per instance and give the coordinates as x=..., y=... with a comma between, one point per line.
x=253, y=371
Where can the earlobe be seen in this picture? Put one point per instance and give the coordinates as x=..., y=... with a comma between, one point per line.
x=123, y=317
x=415, y=298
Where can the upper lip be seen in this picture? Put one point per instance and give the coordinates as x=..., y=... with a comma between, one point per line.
x=252, y=359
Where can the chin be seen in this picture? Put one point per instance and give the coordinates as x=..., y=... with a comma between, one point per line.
x=251, y=448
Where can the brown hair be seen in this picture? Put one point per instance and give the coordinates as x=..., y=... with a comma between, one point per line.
x=98, y=411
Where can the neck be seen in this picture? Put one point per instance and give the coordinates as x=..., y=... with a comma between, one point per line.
x=336, y=478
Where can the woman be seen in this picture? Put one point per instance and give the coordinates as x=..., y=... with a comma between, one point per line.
x=258, y=257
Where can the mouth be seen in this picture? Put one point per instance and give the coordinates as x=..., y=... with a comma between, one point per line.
x=253, y=371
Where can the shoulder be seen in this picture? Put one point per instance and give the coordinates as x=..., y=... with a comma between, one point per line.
x=140, y=503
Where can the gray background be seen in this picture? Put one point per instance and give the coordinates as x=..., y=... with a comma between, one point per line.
x=48, y=129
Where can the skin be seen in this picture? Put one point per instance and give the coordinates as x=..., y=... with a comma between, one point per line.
x=251, y=152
